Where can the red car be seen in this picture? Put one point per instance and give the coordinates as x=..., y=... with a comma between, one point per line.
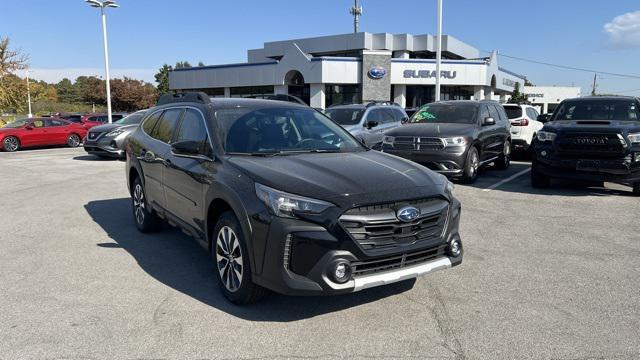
x=40, y=132
x=91, y=120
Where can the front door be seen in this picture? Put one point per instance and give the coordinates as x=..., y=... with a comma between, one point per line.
x=36, y=134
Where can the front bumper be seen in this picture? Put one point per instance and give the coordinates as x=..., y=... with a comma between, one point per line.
x=104, y=146
x=299, y=258
x=448, y=161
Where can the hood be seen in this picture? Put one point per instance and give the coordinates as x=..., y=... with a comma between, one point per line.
x=432, y=129
x=345, y=179
x=605, y=126
x=106, y=127
x=353, y=128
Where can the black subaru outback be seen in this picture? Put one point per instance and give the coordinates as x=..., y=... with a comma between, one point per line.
x=593, y=139
x=285, y=199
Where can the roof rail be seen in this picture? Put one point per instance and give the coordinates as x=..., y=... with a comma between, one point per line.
x=186, y=96
x=382, y=103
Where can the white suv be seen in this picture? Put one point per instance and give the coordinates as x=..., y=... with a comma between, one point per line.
x=524, y=125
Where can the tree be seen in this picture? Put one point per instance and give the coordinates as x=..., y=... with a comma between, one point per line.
x=131, y=95
x=13, y=94
x=162, y=78
x=201, y=64
x=11, y=60
x=91, y=90
x=528, y=83
x=517, y=97
x=182, y=64
x=67, y=92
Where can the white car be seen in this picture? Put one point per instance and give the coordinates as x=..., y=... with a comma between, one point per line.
x=524, y=125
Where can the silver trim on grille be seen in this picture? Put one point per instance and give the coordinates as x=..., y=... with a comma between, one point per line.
x=418, y=143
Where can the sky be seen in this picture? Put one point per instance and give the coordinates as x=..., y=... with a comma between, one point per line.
x=64, y=39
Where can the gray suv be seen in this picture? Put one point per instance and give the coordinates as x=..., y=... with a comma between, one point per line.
x=368, y=122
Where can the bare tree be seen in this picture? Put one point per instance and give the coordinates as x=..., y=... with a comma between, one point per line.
x=11, y=60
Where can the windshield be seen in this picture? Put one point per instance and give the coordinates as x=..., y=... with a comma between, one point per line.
x=345, y=116
x=513, y=112
x=17, y=124
x=280, y=130
x=446, y=113
x=598, y=109
x=131, y=119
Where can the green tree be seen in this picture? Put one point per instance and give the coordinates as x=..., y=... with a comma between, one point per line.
x=201, y=63
x=518, y=97
x=162, y=78
x=13, y=94
x=67, y=92
x=182, y=64
x=91, y=90
x=131, y=95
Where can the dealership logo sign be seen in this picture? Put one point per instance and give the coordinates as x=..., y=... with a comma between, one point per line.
x=429, y=74
x=377, y=72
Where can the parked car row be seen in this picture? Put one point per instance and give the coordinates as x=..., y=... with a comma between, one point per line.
x=35, y=132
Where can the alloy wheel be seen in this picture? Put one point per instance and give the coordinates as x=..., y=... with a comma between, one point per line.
x=138, y=203
x=475, y=163
x=11, y=144
x=229, y=258
x=74, y=141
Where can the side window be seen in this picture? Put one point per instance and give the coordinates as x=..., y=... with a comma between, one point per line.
x=192, y=129
x=38, y=123
x=53, y=122
x=399, y=114
x=389, y=116
x=484, y=113
x=166, y=126
x=375, y=115
x=150, y=122
x=494, y=113
x=501, y=113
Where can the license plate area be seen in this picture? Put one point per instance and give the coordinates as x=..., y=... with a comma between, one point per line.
x=588, y=165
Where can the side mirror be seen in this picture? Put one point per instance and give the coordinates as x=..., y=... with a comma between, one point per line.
x=371, y=124
x=543, y=118
x=488, y=121
x=405, y=120
x=29, y=127
x=188, y=148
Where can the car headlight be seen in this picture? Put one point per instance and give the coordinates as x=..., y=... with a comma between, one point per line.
x=388, y=140
x=634, y=138
x=450, y=187
x=115, y=132
x=546, y=136
x=455, y=141
x=284, y=204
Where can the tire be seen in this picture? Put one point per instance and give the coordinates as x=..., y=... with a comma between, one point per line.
x=636, y=189
x=11, y=144
x=231, y=259
x=504, y=160
x=146, y=220
x=471, y=166
x=73, y=140
x=538, y=179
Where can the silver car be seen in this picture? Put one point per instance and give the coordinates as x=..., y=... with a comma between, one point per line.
x=107, y=140
x=368, y=122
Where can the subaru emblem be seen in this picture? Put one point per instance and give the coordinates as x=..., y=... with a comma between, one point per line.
x=408, y=213
x=377, y=72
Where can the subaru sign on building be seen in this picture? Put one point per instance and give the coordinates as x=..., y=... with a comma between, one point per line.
x=354, y=68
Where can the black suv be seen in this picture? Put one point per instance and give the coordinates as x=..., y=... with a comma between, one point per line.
x=285, y=199
x=454, y=138
x=595, y=139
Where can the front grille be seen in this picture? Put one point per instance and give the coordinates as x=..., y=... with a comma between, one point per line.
x=417, y=143
x=377, y=227
x=591, y=143
x=361, y=268
x=94, y=135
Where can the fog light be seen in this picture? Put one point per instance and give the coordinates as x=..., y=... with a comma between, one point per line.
x=342, y=272
x=636, y=157
x=455, y=248
x=543, y=153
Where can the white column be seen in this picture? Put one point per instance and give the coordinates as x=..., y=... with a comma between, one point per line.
x=317, y=96
x=503, y=98
x=488, y=93
x=227, y=92
x=400, y=95
x=545, y=108
x=281, y=89
x=478, y=93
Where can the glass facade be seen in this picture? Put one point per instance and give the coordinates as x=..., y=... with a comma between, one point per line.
x=418, y=95
x=257, y=91
x=213, y=92
x=342, y=94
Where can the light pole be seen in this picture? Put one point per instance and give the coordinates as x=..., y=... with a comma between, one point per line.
x=438, y=50
x=29, y=96
x=103, y=5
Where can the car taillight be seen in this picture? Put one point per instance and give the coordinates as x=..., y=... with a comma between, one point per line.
x=523, y=122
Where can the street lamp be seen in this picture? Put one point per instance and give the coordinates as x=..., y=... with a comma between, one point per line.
x=438, y=49
x=103, y=5
x=29, y=95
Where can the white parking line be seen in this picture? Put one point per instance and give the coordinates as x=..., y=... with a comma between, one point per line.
x=501, y=182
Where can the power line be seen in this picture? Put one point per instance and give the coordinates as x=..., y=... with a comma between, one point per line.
x=569, y=67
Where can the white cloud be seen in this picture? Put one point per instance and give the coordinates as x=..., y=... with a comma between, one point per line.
x=55, y=75
x=624, y=30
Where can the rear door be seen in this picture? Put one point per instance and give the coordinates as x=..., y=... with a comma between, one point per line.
x=57, y=131
x=515, y=114
x=187, y=176
x=494, y=134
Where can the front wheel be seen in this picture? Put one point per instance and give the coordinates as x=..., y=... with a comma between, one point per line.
x=73, y=140
x=471, y=166
x=504, y=160
x=11, y=144
x=231, y=257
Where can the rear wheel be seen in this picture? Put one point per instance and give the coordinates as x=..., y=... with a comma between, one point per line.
x=636, y=189
x=11, y=144
x=504, y=160
x=231, y=257
x=471, y=166
x=538, y=179
x=146, y=220
x=73, y=140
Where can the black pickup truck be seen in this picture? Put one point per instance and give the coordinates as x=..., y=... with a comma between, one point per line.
x=594, y=139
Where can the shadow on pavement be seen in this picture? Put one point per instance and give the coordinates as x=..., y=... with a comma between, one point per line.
x=178, y=261
x=92, y=158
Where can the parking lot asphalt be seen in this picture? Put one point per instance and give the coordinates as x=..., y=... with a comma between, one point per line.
x=548, y=274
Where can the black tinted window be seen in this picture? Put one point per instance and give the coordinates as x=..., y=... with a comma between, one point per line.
x=598, y=109
x=345, y=116
x=513, y=112
x=192, y=129
x=166, y=126
x=150, y=122
x=134, y=118
x=55, y=123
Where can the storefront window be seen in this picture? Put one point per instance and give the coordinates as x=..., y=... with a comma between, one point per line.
x=213, y=92
x=418, y=95
x=342, y=94
x=256, y=91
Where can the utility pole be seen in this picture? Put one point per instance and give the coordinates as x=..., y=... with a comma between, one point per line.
x=595, y=85
x=438, y=49
x=29, y=95
x=356, y=11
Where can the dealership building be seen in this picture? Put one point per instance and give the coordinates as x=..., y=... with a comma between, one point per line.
x=354, y=68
